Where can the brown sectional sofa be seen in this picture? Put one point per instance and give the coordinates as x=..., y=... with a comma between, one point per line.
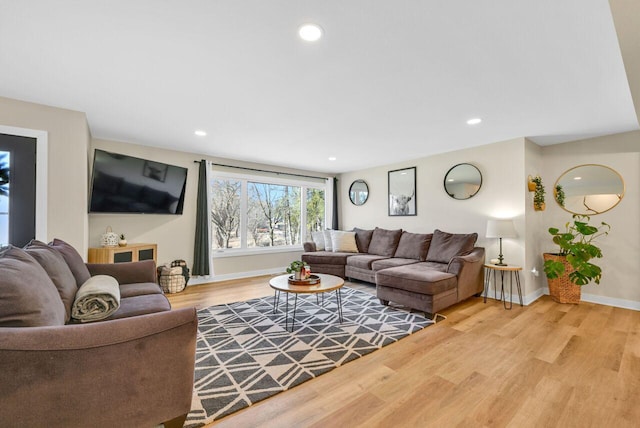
x=428, y=272
x=134, y=368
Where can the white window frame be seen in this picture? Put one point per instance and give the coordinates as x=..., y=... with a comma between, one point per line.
x=244, y=179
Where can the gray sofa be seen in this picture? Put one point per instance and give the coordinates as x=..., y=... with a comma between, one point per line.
x=134, y=368
x=427, y=272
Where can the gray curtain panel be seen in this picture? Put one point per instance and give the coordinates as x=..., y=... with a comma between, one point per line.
x=334, y=223
x=201, y=249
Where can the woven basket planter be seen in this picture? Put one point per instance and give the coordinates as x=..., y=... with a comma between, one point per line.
x=561, y=289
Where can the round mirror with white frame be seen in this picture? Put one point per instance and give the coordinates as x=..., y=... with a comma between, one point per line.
x=359, y=192
x=589, y=189
x=463, y=181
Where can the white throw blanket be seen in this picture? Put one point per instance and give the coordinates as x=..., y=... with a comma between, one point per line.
x=96, y=299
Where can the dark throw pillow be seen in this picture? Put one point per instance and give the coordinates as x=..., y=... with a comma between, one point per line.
x=384, y=242
x=28, y=297
x=413, y=246
x=445, y=246
x=363, y=239
x=73, y=259
x=58, y=270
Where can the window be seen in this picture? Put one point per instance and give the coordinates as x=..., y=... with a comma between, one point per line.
x=257, y=213
x=4, y=198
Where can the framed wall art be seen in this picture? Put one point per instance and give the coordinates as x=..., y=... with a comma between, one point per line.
x=402, y=192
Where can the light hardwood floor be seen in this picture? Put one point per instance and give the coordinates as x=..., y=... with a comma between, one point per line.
x=544, y=365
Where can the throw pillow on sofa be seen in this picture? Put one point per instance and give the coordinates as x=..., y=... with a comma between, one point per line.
x=57, y=269
x=445, y=246
x=74, y=261
x=384, y=242
x=343, y=242
x=327, y=240
x=363, y=239
x=318, y=239
x=413, y=246
x=28, y=297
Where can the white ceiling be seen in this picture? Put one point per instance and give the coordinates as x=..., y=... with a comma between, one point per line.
x=390, y=80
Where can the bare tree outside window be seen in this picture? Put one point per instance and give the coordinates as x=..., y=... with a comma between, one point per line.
x=225, y=213
x=249, y=213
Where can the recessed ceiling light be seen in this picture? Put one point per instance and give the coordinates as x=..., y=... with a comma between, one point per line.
x=200, y=133
x=332, y=158
x=310, y=32
x=474, y=121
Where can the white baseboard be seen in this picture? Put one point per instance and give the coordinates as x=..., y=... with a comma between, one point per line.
x=195, y=280
x=585, y=297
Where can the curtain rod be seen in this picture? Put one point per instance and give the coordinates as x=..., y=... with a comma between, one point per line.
x=265, y=170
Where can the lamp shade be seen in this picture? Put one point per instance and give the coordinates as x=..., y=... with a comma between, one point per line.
x=501, y=229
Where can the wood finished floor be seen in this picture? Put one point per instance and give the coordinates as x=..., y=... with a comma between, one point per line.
x=544, y=365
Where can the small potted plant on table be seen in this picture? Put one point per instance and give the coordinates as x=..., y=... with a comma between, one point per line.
x=296, y=267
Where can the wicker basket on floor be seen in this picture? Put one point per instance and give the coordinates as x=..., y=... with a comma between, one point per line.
x=171, y=280
x=561, y=289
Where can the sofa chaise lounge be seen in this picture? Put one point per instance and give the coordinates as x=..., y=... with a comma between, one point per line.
x=427, y=272
x=134, y=368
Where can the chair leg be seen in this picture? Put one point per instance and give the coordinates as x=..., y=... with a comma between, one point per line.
x=384, y=302
x=176, y=422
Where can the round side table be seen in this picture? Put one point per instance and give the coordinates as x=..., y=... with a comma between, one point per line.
x=509, y=270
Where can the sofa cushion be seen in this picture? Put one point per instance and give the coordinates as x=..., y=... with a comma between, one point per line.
x=327, y=240
x=28, y=297
x=139, y=289
x=325, y=258
x=363, y=239
x=58, y=270
x=363, y=261
x=318, y=239
x=445, y=246
x=391, y=262
x=141, y=305
x=416, y=278
x=384, y=242
x=413, y=246
x=73, y=259
x=343, y=242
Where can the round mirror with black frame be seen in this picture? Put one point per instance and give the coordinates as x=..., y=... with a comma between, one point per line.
x=589, y=189
x=359, y=192
x=462, y=181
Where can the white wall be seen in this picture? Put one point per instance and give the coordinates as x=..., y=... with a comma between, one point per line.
x=174, y=234
x=502, y=195
x=68, y=139
x=620, y=283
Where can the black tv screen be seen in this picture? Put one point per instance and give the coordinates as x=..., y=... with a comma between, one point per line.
x=126, y=184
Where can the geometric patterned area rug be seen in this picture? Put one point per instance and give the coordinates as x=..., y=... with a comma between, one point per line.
x=244, y=353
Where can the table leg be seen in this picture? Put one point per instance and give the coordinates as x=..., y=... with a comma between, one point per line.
x=295, y=305
x=519, y=288
x=487, y=282
x=276, y=298
x=339, y=302
x=510, y=292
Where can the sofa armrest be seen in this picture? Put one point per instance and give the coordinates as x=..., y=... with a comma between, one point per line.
x=309, y=247
x=470, y=272
x=135, y=371
x=126, y=273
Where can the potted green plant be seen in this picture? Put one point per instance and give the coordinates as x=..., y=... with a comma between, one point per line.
x=559, y=194
x=296, y=268
x=538, y=196
x=571, y=267
x=123, y=240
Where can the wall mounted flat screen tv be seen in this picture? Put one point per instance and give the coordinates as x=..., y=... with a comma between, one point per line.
x=126, y=184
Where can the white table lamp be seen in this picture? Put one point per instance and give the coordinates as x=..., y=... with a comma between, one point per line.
x=501, y=229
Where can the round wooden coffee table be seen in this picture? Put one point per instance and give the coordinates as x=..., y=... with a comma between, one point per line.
x=327, y=283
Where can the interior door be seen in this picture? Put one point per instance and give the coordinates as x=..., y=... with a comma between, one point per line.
x=18, y=196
